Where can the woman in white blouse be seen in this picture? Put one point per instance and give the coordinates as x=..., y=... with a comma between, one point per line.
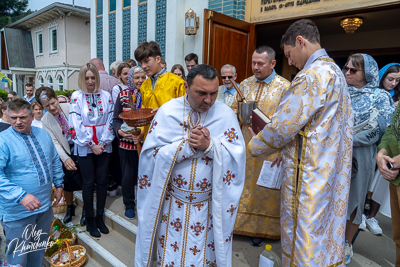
x=90, y=127
x=37, y=114
x=122, y=74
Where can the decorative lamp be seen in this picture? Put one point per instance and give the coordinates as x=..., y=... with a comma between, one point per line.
x=191, y=22
x=351, y=24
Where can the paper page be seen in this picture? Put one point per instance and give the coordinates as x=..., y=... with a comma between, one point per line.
x=264, y=262
x=269, y=177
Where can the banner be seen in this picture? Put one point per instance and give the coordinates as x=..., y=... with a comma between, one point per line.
x=4, y=78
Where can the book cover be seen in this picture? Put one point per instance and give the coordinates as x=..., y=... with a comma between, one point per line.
x=258, y=120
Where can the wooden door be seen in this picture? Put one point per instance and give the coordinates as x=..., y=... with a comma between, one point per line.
x=228, y=41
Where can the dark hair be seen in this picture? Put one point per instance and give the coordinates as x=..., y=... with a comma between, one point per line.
x=206, y=71
x=392, y=69
x=28, y=85
x=120, y=68
x=357, y=60
x=179, y=67
x=44, y=92
x=12, y=93
x=266, y=49
x=68, y=95
x=147, y=49
x=131, y=62
x=3, y=107
x=192, y=56
x=36, y=103
x=305, y=28
x=19, y=104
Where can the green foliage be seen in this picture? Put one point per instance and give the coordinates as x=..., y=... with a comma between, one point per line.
x=12, y=10
x=64, y=92
x=3, y=94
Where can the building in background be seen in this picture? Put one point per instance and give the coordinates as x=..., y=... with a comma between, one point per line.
x=46, y=48
x=230, y=30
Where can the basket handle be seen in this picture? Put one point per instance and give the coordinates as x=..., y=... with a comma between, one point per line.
x=52, y=225
x=71, y=256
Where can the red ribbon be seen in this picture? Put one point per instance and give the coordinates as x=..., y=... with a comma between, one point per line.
x=94, y=138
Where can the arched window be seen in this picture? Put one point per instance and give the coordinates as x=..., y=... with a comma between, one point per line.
x=41, y=81
x=60, y=82
x=50, y=82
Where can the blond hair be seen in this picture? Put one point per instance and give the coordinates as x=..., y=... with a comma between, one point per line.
x=82, y=77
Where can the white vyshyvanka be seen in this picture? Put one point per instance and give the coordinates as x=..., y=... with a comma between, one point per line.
x=187, y=199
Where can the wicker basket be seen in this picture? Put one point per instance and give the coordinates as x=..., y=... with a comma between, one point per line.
x=137, y=117
x=62, y=231
x=61, y=207
x=71, y=261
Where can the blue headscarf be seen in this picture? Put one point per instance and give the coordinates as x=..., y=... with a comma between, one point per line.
x=363, y=100
x=382, y=72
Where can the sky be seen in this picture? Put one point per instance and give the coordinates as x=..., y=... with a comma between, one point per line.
x=39, y=4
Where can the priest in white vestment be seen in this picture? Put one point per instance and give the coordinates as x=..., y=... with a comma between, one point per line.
x=191, y=176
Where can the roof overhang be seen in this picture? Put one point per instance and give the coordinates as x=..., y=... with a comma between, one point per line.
x=49, y=13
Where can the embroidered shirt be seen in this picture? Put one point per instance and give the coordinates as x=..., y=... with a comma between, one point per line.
x=63, y=122
x=155, y=77
x=29, y=163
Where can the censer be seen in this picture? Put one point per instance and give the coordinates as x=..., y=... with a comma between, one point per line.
x=244, y=107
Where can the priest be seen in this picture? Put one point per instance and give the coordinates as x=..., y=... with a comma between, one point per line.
x=191, y=176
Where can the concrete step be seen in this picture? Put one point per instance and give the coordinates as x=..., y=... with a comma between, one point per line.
x=114, y=249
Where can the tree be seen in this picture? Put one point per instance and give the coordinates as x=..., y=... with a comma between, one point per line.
x=13, y=10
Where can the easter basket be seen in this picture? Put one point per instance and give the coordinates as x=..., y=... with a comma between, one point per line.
x=61, y=207
x=71, y=256
x=137, y=117
x=57, y=235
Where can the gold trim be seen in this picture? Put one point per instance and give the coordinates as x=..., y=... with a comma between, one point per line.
x=189, y=203
x=193, y=174
x=297, y=188
x=205, y=243
x=336, y=264
x=185, y=234
x=251, y=153
x=268, y=144
x=160, y=204
x=166, y=232
x=286, y=254
x=139, y=4
x=190, y=191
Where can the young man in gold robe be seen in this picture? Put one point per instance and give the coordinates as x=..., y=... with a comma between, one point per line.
x=258, y=213
x=313, y=128
x=160, y=86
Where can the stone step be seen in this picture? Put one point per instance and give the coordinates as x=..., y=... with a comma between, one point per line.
x=114, y=249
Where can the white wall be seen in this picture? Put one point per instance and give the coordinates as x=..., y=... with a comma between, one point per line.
x=78, y=40
x=93, y=42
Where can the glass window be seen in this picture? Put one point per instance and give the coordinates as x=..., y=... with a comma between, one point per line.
x=126, y=3
x=113, y=5
x=50, y=82
x=99, y=7
x=39, y=38
x=60, y=83
x=41, y=81
x=53, y=40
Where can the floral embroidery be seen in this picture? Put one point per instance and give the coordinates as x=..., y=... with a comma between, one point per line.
x=195, y=250
x=211, y=263
x=197, y=228
x=162, y=240
x=231, y=210
x=180, y=204
x=206, y=159
x=91, y=114
x=164, y=218
x=177, y=224
x=72, y=133
x=184, y=125
x=175, y=246
x=211, y=223
x=190, y=197
x=211, y=246
x=144, y=182
x=155, y=152
x=74, y=101
x=231, y=135
x=204, y=184
x=229, y=239
x=62, y=121
x=152, y=126
x=179, y=181
x=170, y=264
x=228, y=177
x=198, y=206
x=99, y=105
x=167, y=196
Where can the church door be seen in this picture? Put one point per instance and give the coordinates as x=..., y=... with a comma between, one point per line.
x=228, y=41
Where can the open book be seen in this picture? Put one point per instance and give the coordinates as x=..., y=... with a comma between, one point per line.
x=270, y=177
x=259, y=120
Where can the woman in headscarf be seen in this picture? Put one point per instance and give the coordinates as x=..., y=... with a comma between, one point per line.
x=389, y=78
x=129, y=98
x=373, y=110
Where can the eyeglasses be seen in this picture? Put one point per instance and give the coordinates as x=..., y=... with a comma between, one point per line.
x=224, y=77
x=352, y=70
